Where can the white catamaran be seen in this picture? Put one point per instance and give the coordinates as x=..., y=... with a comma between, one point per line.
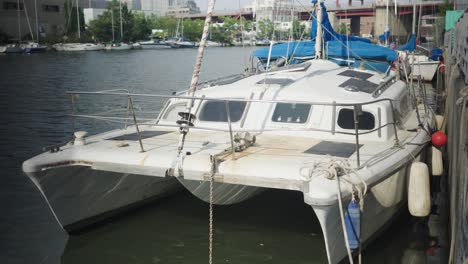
x=334, y=133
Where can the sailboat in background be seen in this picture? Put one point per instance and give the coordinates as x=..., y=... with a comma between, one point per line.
x=421, y=65
x=78, y=46
x=179, y=41
x=120, y=45
x=15, y=48
x=34, y=47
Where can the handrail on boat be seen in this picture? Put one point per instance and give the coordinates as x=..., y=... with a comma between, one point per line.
x=357, y=107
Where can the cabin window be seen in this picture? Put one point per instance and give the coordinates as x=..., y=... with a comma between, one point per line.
x=12, y=6
x=346, y=119
x=291, y=113
x=172, y=112
x=51, y=8
x=216, y=111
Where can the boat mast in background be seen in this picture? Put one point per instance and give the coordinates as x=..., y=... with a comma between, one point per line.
x=78, y=18
x=19, y=21
x=121, y=24
x=37, y=22
x=318, y=39
x=112, y=23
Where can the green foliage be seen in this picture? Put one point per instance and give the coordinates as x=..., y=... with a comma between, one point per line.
x=193, y=29
x=101, y=28
x=342, y=29
x=444, y=7
x=71, y=23
x=298, y=30
x=265, y=29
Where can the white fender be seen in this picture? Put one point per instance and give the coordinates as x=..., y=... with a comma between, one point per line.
x=419, y=198
x=437, y=165
x=439, y=122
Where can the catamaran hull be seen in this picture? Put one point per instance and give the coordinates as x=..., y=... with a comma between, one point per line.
x=223, y=193
x=381, y=205
x=79, y=195
x=425, y=69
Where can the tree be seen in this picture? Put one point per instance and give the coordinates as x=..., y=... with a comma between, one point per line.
x=265, y=29
x=71, y=22
x=298, y=29
x=141, y=27
x=101, y=27
x=193, y=29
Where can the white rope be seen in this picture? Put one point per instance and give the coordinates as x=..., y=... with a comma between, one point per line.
x=336, y=168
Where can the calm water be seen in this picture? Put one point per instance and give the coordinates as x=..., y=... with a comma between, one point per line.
x=275, y=227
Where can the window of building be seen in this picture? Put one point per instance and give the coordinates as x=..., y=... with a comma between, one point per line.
x=346, y=119
x=291, y=113
x=216, y=111
x=51, y=8
x=12, y=6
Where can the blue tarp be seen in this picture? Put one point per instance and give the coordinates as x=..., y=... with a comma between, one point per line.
x=384, y=37
x=296, y=48
x=360, y=49
x=436, y=54
x=328, y=31
x=335, y=49
x=410, y=46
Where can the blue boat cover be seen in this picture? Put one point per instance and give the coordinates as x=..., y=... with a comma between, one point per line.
x=337, y=46
x=336, y=49
x=296, y=48
x=410, y=46
x=436, y=54
x=358, y=49
x=328, y=32
x=385, y=36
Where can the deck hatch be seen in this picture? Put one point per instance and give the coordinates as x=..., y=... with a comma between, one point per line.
x=278, y=81
x=359, y=85
x=144, y=135
x=356, y=74
x=337, y=149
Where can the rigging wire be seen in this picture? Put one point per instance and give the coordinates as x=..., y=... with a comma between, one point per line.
x=338, y=40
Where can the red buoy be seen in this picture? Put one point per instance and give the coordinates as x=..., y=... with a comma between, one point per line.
x=439, y=139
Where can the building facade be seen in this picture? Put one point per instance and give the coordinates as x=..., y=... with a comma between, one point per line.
x=51, y=18
x=280, y=12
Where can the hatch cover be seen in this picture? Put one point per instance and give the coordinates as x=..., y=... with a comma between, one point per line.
x=143, y=134
x=337, y=149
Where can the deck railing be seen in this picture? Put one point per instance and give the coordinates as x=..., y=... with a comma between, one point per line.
x=357, y=107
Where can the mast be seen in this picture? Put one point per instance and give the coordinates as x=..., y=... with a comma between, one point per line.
x=413, y=28
x=196, y=74
x=387, y=25
x=121, y=24
x=27, y=19
x=112, y=21
x=318, y=38
x=37, y=22
x=19, y=21
x=78, y=18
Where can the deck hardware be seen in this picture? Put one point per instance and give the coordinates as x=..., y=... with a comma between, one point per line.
x=80, y=138
x=230, y=129
x=356, y=130
x=397, y=141
x=130, y=101
x=333, y=127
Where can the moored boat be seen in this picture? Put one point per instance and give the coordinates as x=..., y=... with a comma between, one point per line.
x=336, y=134
x=154, y=44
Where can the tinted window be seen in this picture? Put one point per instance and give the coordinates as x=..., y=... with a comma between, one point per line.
x=346, y=119
x=216, y=111
x=172, y=113
x=291, y=113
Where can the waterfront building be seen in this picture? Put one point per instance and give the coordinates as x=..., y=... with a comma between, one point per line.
x=280, y=12
x=182, y=8
x=51, y=17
